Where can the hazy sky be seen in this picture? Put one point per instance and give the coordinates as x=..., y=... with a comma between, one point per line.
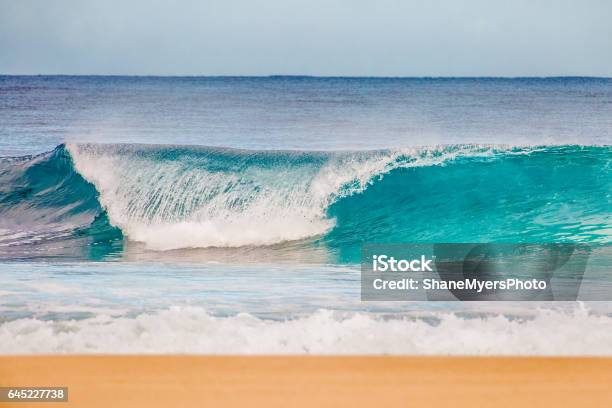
x=311, y=37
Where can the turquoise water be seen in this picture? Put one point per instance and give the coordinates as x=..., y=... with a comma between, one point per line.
x=87, y=202
x=226, y=215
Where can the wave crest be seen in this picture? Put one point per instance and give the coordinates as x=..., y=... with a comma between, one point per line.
x=85, y=200
x=178, y=197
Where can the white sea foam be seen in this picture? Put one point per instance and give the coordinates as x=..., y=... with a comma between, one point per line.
x=192, y=202
x=193, y=330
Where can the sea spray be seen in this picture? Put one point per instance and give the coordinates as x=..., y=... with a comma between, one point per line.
x=177, y=197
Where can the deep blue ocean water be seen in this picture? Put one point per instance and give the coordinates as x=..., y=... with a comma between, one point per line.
x=143, y=214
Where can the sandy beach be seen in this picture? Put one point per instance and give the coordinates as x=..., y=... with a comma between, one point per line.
x=239, y=381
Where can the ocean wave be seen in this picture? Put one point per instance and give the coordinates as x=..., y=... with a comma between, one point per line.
x=175, y=197
x=194, y=331
x=171, y=198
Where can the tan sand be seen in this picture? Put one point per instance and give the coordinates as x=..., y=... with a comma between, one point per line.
x=220, y=381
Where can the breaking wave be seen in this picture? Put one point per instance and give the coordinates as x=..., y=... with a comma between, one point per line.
x=102, y=197
x=192, y=330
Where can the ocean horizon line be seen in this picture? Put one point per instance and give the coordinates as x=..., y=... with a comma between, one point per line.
x=301, y=76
